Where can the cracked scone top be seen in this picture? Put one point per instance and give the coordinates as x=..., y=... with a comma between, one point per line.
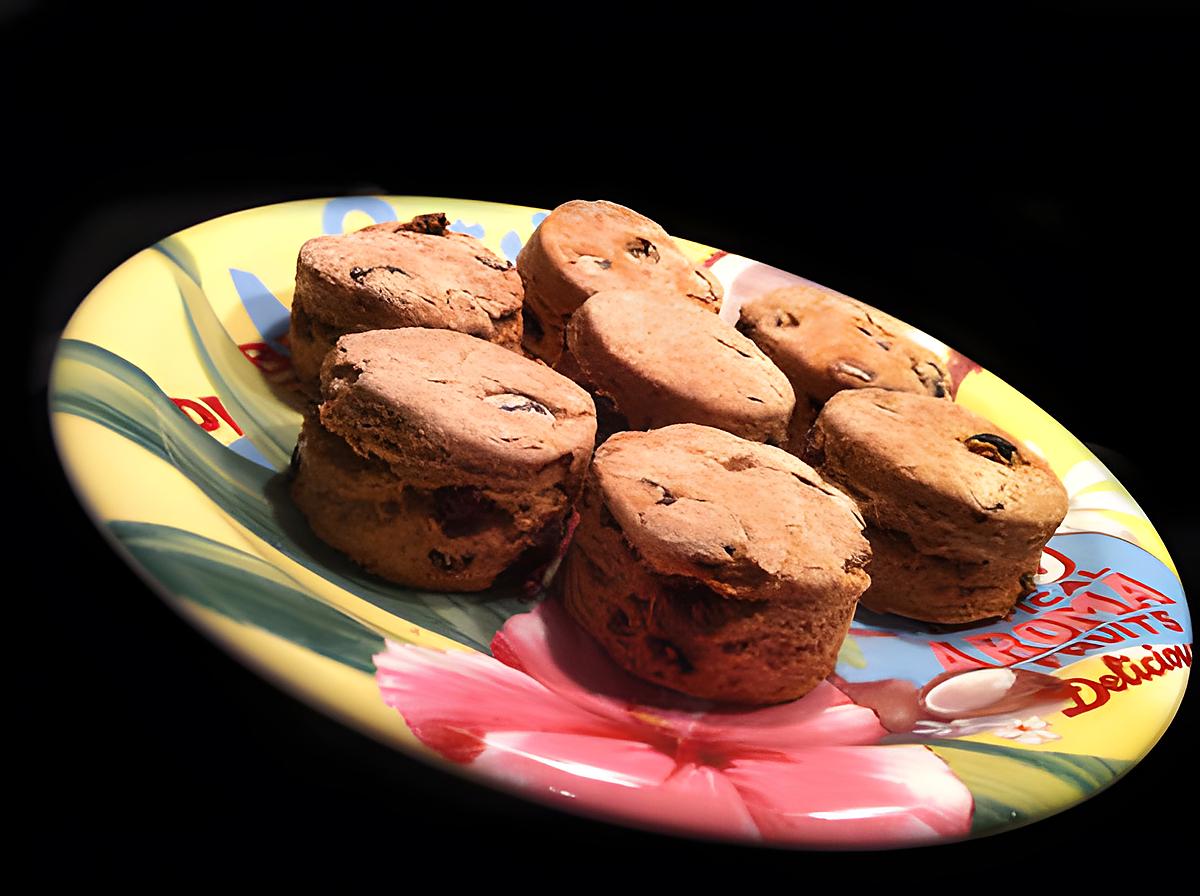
x=441, y=461
x=911, y=464
x=826, y=342
x=399, y=274
x=426, y=400
x=748, y=520
x=722, y=568
x=584, y=247
x=663, y=361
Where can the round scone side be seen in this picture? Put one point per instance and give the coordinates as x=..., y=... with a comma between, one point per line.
x=933, y=589
x=945, y=494
x=663, y=360
x=716, y=566
x=414, y=274
x=465, y=456
x=452, y=538
x=583, y=247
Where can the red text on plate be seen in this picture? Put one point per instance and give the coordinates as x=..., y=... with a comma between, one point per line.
x=205, y=418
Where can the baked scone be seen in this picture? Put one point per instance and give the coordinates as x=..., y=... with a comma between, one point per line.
x=825, y=342
x=664, y=360
x=583, y=247
x=437, y=459
x=719, y=567
x=399, y=274
x=957, y=510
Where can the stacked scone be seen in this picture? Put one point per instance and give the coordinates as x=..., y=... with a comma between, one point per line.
x=957, y=512
x=706, y=558
x=413, y=274
x=437, y=456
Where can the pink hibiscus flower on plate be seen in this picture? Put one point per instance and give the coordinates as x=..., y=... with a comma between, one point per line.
x=551, y=716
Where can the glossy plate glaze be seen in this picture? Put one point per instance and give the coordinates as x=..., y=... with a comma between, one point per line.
x=175, y=418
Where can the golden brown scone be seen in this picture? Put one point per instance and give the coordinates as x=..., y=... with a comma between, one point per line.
x=957, y=510
x=584, y=247
x=663, y=360
x=723, y=568
x=825, y=342
x=411, y=274
x=438, y=460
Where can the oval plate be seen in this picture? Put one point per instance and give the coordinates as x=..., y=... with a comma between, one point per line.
x=175, y=418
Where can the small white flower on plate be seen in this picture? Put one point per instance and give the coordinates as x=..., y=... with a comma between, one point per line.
x=1032, y=730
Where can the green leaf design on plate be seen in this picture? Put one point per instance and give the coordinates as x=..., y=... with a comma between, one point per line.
x=173, y=247
x=92, y=382
x=247, y=589
x=1013, y=787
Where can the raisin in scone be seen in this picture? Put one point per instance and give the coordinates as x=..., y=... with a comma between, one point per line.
x=399, y=274
x=825, y=342
x=957, y=510
x=584, y=247
x=439, y=460
x=722, y=568
x=659, y=361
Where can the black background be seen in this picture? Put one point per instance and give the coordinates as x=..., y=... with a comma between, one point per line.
x=1023, y=189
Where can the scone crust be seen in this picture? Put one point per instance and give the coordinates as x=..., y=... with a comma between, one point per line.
x=689, y=578
x=934, y=589
x=665, y=360
x=431, y=402
x=583, y=247
x=825, y=342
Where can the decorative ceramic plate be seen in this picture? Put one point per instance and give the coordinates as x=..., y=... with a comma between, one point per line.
x=175, y=418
